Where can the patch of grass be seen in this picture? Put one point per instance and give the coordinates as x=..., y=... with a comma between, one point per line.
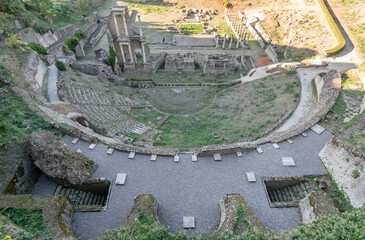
x=30, y=219
x=191, y=28
x=355, y=174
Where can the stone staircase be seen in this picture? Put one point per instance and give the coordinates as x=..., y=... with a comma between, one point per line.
x=79, y=197
x=291, y=193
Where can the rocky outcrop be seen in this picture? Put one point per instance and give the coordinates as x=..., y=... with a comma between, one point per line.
x=346, y=165
x=46, y=39
x=145, y=206
x=317, y=204
x=34, y=71
x=86, y=122
x=235, y=211
x=58, y=161
x=91, y=68
x=56, y=212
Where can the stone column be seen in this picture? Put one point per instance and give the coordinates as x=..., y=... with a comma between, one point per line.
x=125, y=24
x=248, y=38
x=122, y=52
x=143, y=53
x=234, y=22
x=238, y=42
x=116, y=25
x=130, y=53
x=140, y=27
x=239, y=29
x=217, y=42
x=224, y=41
x=230, y=42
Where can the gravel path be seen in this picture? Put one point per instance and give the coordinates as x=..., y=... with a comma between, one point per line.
x=194, y=188
x=52, y=84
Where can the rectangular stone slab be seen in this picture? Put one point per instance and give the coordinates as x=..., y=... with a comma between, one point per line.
x=275, y=145
x=259, y=150
x=304, y=134
x=110, y=151
x=188, y=222
x=194, y=158
x=288, y=161
x=289, y=141
x=131, y=155
x=176, y=158
x=318, y=129
x=217, y=157
x=153, y=157
x=251, y=177
x=120, y=179
x=75, y=140
x=92, y=146
x=239, y=154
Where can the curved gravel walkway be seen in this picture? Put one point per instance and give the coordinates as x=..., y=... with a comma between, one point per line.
x=194, y=188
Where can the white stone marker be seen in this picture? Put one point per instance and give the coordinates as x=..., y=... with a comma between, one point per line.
x=217, y=157
x=176, y=158
x=131, y=155
x=239, y=154
x=250, y=176
x=194, y=158
x=120, y=179
x=288, y=161
x=318, y=129
x=110, y=151
x=92, y=146
x=78, y=150
x=153, y=157
x=75, y=140
x=275, y=145
x=289, y=141
x=188, y=222
x=304, y=134
x=259, y=150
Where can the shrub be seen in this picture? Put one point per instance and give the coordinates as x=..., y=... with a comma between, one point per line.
x=338, y=35
x=110, y=60
x=38, y=48
x=60, y=66
x=226, y=4
x=80, y=34
x=355, y=174
x=71, y=43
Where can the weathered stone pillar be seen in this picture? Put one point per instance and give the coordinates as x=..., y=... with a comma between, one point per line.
x=248, y=38
x=230, y=42
x=217, y=42
x=224, y=41
x=130, y=53
x=125, y=24
x=143, y=53
x=122, y=52
x=238, y=42
x=234, y=22
x=116, y=25
x=140, y=27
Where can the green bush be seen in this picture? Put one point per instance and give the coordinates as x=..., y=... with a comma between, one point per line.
x=80, y=34
x=355, y=174
x=338, y=35
x=60, y=66
x=38, y=48
x=110, y=60
x=71, y=43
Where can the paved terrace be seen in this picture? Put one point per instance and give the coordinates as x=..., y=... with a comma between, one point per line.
x=194, y=188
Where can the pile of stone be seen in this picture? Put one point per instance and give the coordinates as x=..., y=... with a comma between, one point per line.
x=198, y=14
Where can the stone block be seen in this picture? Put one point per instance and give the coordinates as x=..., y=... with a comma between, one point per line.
x=289, y=141
x=288, y=161
x=153, y=157
x=275, y=145
x=251, y=177
x=110, y=151
x=78, y=150
x=239, y=154
x=318, y=129
x=121, y=177
x=188, y=222
x=217, y=157
x=194, y=158
x=75, y=140
x=259, y=150
x=176, y=158
x=304, y=134
x=92, y=146
x=131, y=155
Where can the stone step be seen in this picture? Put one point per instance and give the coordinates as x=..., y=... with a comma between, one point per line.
x=58, y=190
